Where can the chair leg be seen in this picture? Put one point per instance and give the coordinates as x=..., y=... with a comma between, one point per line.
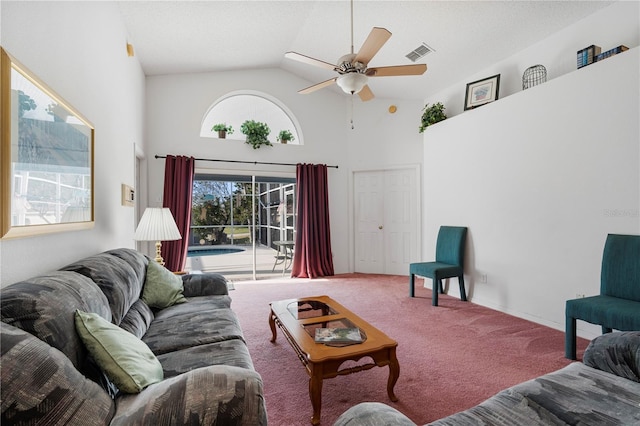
x=463, y=293
x=437, y=285
x=412, y=288
x=570, y=338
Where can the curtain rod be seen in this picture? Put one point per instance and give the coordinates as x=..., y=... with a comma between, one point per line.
x=244, y=162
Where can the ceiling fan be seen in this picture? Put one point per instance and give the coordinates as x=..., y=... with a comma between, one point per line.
x=353, y=68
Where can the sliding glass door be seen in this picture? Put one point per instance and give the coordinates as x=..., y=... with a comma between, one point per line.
x=242, y=226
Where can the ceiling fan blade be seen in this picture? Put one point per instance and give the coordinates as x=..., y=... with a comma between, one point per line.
x=376, y=39
x=365, y=94
x=309, y=60
x=317, y=86
x=417, y=69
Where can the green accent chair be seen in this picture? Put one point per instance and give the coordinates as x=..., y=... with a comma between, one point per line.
x=449, y=262
x=618, y=305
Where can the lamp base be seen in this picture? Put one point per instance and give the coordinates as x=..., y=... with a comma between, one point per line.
x=159, y=258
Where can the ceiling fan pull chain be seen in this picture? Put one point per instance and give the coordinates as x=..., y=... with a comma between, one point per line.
x=352, y=127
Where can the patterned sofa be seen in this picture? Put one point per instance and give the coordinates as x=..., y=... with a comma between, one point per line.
x=603, y=390
x=50, y=375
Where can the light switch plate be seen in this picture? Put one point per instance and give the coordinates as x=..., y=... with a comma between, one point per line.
x=128, y=195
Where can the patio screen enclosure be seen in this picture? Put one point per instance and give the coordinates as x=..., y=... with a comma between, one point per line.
x=223, y=214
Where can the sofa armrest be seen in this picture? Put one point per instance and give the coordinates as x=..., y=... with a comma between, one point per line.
x=219, y=394
x=616, y=353
x=40, y=385
x=204, y=285
x=372, y=414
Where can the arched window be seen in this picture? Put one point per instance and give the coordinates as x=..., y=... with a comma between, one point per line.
x=235, y=108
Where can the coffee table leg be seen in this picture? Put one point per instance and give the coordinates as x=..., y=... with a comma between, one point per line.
x=394, y=373
x=315, y=392
x=272, y=324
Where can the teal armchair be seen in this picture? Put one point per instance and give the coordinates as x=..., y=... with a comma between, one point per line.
x=449, y=262
x=618, y=305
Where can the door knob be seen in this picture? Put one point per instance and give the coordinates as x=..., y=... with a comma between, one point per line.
x=380, y=226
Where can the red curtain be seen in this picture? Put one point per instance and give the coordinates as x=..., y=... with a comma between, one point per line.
x=178, y=184
x=312, y=256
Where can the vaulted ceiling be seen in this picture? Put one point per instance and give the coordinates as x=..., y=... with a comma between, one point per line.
x=467, y=36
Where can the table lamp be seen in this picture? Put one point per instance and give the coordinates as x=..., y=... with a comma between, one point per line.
x=157, y=224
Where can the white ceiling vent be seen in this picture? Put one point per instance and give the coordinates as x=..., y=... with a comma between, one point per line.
x=419, y=52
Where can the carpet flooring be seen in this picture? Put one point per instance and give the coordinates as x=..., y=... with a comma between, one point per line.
x=451, y=357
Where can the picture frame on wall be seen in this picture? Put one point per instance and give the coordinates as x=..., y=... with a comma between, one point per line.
x=47, y=161
x=482, y=92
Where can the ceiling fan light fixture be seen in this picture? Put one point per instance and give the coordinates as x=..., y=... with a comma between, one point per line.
x=352, y=82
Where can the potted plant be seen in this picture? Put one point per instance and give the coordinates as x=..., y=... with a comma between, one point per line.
x=256, y=132
x=285, y=136
x=431, y=115
x=222, y=130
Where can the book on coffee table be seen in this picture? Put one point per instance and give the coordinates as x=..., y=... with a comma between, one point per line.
x=338, y=335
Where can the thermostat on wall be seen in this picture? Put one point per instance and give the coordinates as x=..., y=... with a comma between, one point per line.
x=128, y=195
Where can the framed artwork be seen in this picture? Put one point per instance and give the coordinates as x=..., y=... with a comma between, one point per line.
x=482, y=92
x=46, y=161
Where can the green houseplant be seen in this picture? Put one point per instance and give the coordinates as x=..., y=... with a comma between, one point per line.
x=431, y=115
x=285, y=136
x=256, y=132
x=222, y=130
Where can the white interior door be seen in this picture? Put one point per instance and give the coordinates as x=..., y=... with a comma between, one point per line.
x=369, y=222
x=387, y=227
x=400, y=220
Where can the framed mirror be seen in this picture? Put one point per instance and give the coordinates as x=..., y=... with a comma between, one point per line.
x=46, y=157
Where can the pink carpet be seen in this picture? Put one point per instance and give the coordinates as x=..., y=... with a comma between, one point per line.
x=451, y=357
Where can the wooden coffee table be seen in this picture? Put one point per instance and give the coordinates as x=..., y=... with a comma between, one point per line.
x=298, y=319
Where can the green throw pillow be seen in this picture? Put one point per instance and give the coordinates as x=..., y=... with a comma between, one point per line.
x=162, y=288
x=125, y=359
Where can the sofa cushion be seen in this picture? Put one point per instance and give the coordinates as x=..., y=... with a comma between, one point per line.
x=215, y=395
x=41, y=386
x=162, y=288
x=45, y=307
x=125, y=359
x=134, y=258
x=138, y=319
x=617, y=353
x=196, y=304
x=229, y=352
x=191, y=327
x=209, y=284
x=119, y=280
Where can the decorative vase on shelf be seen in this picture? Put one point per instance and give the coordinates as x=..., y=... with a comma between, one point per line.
x=533, y=76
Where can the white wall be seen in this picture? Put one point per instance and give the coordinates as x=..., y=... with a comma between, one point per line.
x=381, y=140
x=177, y=104
x=612, y=26
x=540, y=178
x=79, y=50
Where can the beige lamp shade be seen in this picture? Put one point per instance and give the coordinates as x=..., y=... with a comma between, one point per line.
x=157, y=224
